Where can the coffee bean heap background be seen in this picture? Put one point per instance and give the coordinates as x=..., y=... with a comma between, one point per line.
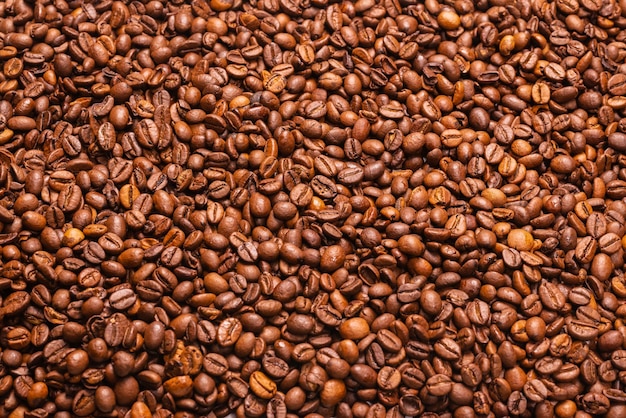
x=312, y=208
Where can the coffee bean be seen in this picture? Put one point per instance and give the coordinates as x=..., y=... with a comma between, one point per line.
x=439, y=385
x=229, y=331
x=179, y=386
x=354, y=328
x=447, y=349
x=122, y=299
x=104, y=399
x=83, y=404
x=582, y=330
x=262, y=386
x=15, y=303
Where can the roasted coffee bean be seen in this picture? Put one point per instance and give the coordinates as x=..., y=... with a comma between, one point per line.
x=122, y=299
x=215, y=364
x=372, y=209
x=262, y=386
x=83, y=404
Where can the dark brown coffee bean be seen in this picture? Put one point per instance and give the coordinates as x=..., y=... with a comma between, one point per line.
x=439, y=385
x=15, y=303
x=84, y=404
x=350, y=176
x=388, y=378
x=237, y=385
x=323, y=187
x=215, y=364
x=275, y=367
x=447, y=349
x=122, y=299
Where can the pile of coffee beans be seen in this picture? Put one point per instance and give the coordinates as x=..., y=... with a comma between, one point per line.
x=312, y=208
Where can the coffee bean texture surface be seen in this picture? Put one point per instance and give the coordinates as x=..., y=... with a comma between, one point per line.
x=312, y=208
